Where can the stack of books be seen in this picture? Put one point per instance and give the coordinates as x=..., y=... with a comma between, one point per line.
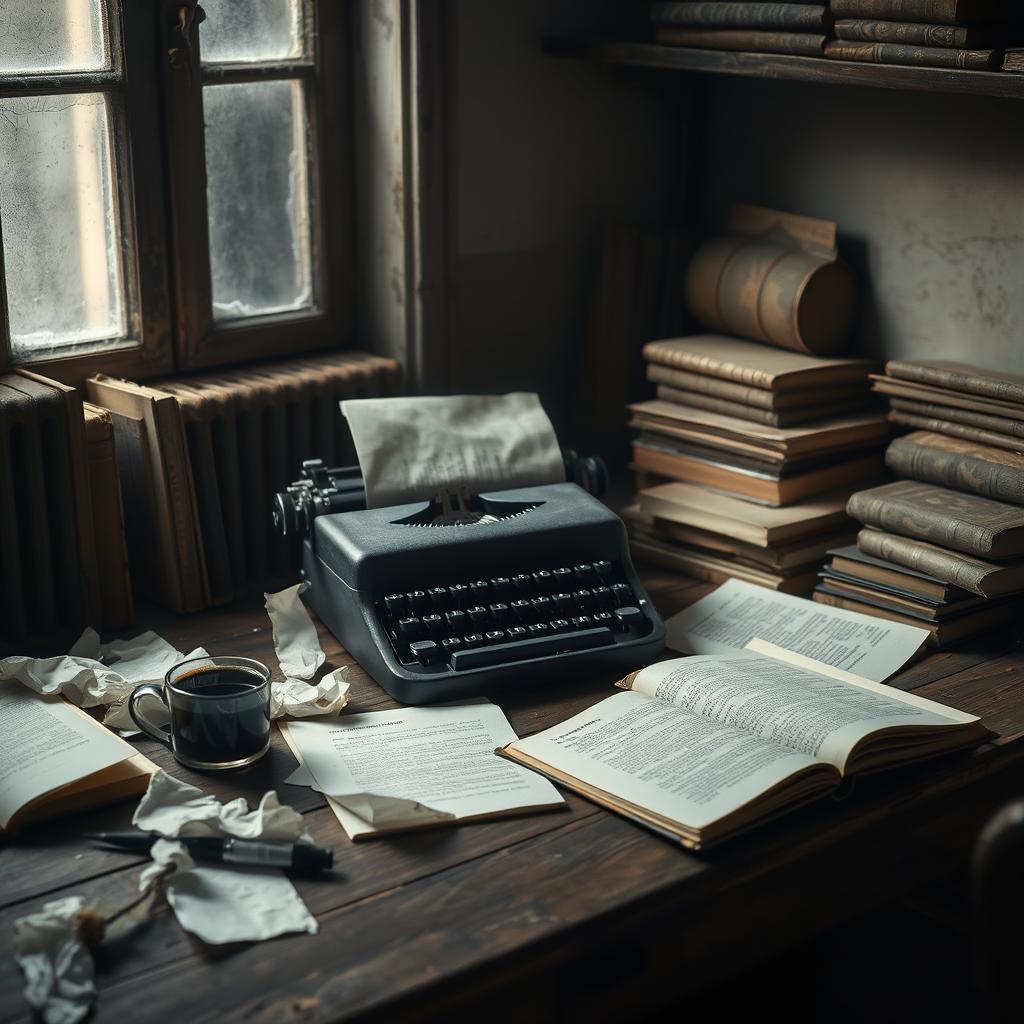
x=969, y=34
x=793, y=28
x=745, y=459
x=943, y=547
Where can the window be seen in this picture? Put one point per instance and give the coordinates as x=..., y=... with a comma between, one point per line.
x=153, y=161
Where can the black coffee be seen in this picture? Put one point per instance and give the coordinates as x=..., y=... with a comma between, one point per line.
x=225, y=716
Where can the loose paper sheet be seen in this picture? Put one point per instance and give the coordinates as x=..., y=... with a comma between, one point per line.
x=45, y=744
x=737, y=612
x=222, y=904
x=58, y=969
x=295, y=638
x=411, y=448
x=387, y=770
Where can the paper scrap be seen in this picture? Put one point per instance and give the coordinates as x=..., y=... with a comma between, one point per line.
x=295, y=639
x=221, y=904
x=95, y=675
x=301, y=699
x=737, y=612
x=411, y=448
x=58, y=968
x=390, y=811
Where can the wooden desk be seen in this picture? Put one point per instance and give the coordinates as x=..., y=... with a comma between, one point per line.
x=564, y=915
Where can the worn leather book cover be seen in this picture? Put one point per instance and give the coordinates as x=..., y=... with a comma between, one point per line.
x=917, y=56
x=955, y=376
x=862, y=30
x=698, y=14
x=951, y=519
x=745, y=362
x=967, y=572
x=860, y=590
x=952, y=429
x=937, y=12
x=1014, y=59
x=743, y=40
x=782, y=418
x=942, y=396
x=1000, y=425
x=853, y=562
x=961, y=465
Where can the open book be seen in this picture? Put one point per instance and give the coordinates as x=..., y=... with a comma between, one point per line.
x=55, y=759
x=703, y=747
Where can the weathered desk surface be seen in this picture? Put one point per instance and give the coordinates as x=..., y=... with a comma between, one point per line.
x=570, y=913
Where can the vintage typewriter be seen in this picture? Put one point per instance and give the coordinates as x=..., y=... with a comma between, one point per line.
x=470, y=594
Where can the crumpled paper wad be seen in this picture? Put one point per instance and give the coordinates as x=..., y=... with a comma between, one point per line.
x=221, y=904
x=295, y=638
x=99, y=675
x=58, y=969
x=301, y=699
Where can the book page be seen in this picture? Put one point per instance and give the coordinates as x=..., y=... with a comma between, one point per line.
x=785, y=704
x=681, y=765
x=731, y=616
x=418, y=765
x=45, y=744
x=411, y=448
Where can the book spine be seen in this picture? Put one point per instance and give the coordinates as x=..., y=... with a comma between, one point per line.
x=950, y=429
x=948, y=566
x=738, y=15
x=655, y=352
x=917, y=56
x=994, y=424
x=718, y=405
x=760, y=398
x=957, y=470
x=943, y=12
x=862, y=30
x=922, y=522
x=956, y=380
x=792, y=43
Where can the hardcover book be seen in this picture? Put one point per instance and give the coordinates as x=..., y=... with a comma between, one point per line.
x=914, y=34
x=938, y=12
x=954, y=376
x=701, y=14
x=852, y=562
x=918, y=56
x=943, y=396
x=951, y=519
x=783, y=418
x=743, y=40
x=951, y=428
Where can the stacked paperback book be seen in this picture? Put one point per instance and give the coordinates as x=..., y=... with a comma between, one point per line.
x=968, y=34
x=943, y=547
x=792, y=28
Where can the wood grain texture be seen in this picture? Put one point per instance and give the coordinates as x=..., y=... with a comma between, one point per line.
x=519, y=915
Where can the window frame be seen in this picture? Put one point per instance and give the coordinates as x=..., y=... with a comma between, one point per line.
x=136, y=153
x=202, y=342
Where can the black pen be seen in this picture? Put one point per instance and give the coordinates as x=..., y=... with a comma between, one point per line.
x=228, y=850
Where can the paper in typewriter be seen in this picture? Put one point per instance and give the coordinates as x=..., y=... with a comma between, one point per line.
x=409, y=449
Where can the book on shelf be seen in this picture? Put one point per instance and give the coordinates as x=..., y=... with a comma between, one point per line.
x=943, y=396
x=958, y=464
x=953, y=429
x=59, y=760
x=701, y=14
x=937, y=12
x=690, y=505
x=954, y=376
x=857, y=564
x=754, y=365
x=777, y=730
x=743, y=40
x=813, y=397
x=1013, y=59
x=951, y=519
x=916, y=56
x=908, y=33
x=164, y=540
x=968, y=572
x=756, y=484
x=941, y=634
x=1002, y=426
x=783, y=418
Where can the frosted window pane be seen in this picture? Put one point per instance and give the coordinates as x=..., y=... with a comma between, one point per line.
x=258, y=198
x=250, y=30
x=57, y=214
x=51, y=35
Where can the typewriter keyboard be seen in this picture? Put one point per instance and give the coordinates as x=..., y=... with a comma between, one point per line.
x=485, y=622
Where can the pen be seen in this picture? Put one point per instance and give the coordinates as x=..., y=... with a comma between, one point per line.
x=229, y=850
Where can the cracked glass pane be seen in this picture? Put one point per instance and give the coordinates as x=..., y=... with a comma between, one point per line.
x=258, y=200
x=62, y=256
x=52, y=35
x=251, y=30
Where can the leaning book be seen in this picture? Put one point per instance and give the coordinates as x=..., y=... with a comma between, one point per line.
x=701, y=748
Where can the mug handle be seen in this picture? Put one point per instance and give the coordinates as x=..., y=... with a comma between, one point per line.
x=153, y=731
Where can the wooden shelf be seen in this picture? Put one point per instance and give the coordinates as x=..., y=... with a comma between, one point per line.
x=1002, y=84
